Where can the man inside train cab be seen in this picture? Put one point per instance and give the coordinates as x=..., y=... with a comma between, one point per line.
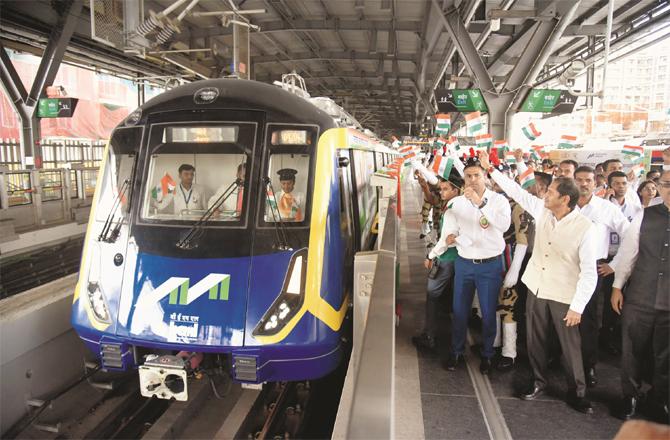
x=187, y=195
x=289, y=202
x=235, y=202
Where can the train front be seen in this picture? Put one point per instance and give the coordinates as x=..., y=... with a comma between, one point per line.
x=213, y=243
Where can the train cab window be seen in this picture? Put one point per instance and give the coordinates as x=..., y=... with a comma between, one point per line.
x=290, y=154
x=116, y=182
x=193, y=170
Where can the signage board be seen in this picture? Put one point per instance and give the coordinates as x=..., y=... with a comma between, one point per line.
x=460, y=100
x=549, y=101
x=56, y=107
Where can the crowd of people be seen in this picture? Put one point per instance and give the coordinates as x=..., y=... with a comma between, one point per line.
x=560, y=261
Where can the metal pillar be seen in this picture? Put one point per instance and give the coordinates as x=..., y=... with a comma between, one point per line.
x=590, y=74
x=25, y=103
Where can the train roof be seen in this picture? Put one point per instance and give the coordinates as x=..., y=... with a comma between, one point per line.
x=238, y=93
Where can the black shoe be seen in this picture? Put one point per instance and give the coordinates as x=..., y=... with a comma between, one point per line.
x=533, y=393
x=591, y=377
x=505, y=363
x=485, y=365
x=580, y=404
x=629, y=408
x=453, y=362
x=424, y=342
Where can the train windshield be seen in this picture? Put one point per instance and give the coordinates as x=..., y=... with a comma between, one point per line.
x=195, y=168
x=290, y=152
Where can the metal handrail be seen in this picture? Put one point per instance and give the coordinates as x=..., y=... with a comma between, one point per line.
x=371, y=414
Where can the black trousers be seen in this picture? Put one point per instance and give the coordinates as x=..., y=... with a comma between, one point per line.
x=646, y=336
x=543, y=315
x=592, y=319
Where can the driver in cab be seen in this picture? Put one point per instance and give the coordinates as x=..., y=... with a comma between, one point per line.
x=235, y=202
x=186, y=196
x=289, y=202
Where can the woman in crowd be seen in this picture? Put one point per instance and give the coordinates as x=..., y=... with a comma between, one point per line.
x=647, y=191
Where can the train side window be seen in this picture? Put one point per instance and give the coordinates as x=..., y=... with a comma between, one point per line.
x=290, y=153
x=123, y=146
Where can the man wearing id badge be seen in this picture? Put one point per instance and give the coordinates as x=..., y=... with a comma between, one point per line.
x=476, y=223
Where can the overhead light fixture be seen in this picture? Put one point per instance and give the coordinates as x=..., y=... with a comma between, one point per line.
x=495, y=24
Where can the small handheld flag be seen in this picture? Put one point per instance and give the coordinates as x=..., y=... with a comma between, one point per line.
x=527, y=179
x=531, y=132
x=484, y=141
x=501, y=145
x=442, y=166
x=474, y=122
x=510, y=158
x=443, y=123
x=633, y=152
x=567, y=142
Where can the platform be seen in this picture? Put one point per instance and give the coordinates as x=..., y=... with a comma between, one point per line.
x=466, y=404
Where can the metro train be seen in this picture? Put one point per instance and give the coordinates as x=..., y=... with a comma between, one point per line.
x=192, y=260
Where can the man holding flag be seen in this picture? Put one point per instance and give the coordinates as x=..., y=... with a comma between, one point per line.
x=475, y=223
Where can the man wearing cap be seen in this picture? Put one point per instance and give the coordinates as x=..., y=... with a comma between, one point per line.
x=289, y=203
x=476, y=223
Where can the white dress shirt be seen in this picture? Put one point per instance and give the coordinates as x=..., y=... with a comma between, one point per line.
x=629, y=210
x=533, y=205
x=183, y=199
x=627, y=254
x=607, y=218
x=465, y=221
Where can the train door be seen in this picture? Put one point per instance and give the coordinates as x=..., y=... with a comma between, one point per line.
x=352, y=244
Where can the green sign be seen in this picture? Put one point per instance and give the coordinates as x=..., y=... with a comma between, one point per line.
x=460, y=100
x=56, y=107
x=549, y=101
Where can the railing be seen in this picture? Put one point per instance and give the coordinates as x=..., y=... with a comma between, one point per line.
x=56, y=153
x=38, y=197
x=366, y=411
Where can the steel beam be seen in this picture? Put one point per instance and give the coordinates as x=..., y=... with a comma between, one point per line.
x=533, y=60
x=465, y=46
x=336, y=55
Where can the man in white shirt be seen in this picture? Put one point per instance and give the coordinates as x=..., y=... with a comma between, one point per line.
x=607, y=219
x=476, y=223
x=187, y=195
x=235, y=202
x=644, y=257
x=560, y=277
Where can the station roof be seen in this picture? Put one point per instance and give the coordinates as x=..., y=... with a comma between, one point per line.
x=379, y=59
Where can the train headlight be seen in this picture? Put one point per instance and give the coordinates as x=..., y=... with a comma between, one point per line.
x=98, y=303
x=289, y=300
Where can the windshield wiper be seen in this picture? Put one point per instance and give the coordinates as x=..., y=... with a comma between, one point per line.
x=280, y=233
x=104, y=234
x=188, y=240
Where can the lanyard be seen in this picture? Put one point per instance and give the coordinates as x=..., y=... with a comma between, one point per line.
x=190, y=193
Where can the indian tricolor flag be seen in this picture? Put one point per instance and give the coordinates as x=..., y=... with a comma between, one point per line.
x=502, y=146
x=440, y=143
x=484, y=141
x=167, y=186
x=537, y=152
x=443, y=123
x=633, y=152
x=453, y=144
x=527, y=179
x=510, y=158
x=531, y=132
x=442, y=166
x=567, y=142
x=638, y=169
x=474, y=122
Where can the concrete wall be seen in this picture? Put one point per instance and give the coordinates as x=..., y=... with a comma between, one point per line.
x=39, y=351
